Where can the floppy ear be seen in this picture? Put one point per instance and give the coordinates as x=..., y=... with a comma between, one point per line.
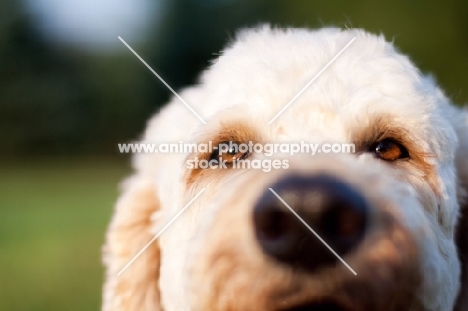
x=462, y=226
x=137, y=287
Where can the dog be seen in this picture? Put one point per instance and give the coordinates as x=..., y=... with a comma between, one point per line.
x=382, y=228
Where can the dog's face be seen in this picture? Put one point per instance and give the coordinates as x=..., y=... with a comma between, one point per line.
x=389, y=210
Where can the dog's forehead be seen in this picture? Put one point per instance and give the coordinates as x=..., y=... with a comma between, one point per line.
x=264, y=69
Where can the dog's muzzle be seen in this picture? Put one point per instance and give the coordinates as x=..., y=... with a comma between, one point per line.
x=324, y=235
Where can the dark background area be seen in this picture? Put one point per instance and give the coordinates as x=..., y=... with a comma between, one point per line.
x=67, y=100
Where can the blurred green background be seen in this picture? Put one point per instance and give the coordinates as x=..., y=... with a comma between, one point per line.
x=70, y=91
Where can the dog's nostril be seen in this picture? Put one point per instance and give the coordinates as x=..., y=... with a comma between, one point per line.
x=333, y=209
x=344, y=222
x=272, y=225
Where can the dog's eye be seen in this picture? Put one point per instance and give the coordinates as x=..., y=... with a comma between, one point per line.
x=389, y=150
x=229, y=151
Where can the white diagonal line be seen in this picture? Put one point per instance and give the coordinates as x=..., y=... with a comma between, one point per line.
x=312, y=230
x=313, y=79
x=160, y=232
x=164, y=82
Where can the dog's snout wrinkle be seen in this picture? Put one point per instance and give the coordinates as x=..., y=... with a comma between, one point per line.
x=332, y=208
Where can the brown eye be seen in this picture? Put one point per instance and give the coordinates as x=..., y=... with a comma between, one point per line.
x=229, y=151
x=389, y=150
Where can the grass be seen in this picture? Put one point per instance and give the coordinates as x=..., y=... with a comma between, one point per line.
x=53, y=215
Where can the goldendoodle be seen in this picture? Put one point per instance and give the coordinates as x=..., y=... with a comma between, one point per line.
x=383, y=227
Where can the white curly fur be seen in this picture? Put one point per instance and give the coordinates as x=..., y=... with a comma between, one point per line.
x=255, y=76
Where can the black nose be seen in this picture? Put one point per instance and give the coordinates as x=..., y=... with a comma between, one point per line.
x=332, y=208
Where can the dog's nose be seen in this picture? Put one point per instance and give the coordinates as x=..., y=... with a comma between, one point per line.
x=334, y=210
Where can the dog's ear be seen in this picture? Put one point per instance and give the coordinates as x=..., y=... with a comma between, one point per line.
x=136, y=288
x=461, y=125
